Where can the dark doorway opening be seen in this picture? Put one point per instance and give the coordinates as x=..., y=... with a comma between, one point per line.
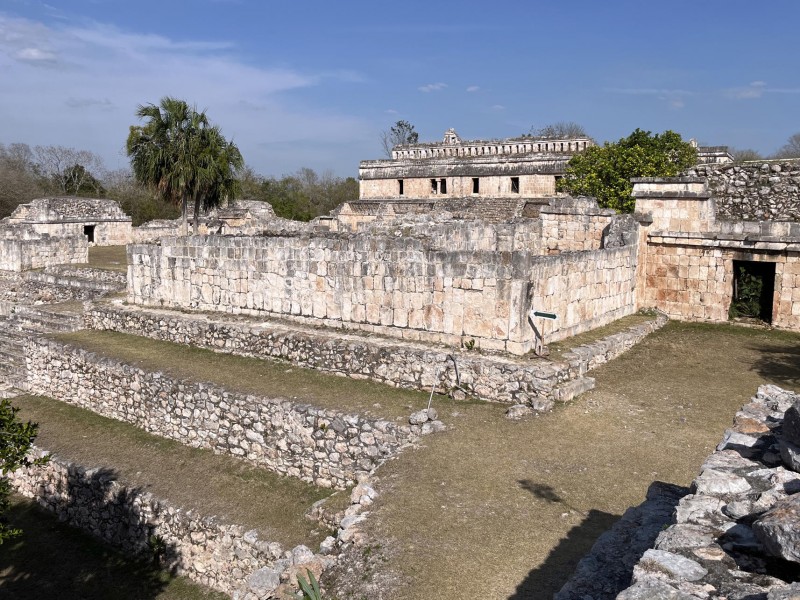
x=476, y=186
x=515, y=185
x=88, y=231
x=753, y=289
x=400, y=187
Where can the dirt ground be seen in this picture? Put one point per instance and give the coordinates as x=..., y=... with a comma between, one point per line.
x=496, y=509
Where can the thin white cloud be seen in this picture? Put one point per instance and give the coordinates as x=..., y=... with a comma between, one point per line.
x=650, y=91
x=432, y=87
x=34, y=55
x=757, y=89
x=391, y=111
x=498, y=107
x=99, y=75
x=473, y=88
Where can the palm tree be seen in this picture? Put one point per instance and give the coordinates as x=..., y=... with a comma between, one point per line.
x=178, y=154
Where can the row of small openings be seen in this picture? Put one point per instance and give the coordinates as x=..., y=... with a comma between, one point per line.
x=439, y=186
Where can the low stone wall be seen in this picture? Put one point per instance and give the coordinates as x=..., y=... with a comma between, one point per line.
x=21, y=254
x=222, y=556
x=738, y=534
x=535, y=382
x=757, y=191
x=324, y=447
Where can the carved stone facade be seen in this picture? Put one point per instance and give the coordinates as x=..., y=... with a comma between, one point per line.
x=511, y=168
x=689, y=260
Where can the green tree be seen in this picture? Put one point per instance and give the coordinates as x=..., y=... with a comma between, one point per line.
x=184, y=159
x=16, y=439
x=605, y=171
x=399, y=134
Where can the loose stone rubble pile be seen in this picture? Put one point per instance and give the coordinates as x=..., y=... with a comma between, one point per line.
x=737, y=536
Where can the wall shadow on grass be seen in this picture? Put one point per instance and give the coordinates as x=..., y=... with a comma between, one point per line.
x=636, y=533
x=779, y=364
x=54, y=559
x=543, y=582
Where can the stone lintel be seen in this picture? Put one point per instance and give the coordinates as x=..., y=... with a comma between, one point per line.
x=683, y=195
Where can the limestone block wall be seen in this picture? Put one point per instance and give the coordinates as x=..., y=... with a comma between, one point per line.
x=573, y=225
x=585, y=290
x=686, y=262
x=391, y=285
x=757, y=191
x=324, y=447
x=41, y=251
x=218, y=555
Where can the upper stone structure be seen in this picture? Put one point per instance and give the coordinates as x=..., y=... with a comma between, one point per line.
x=509, y=168
x=102, y=221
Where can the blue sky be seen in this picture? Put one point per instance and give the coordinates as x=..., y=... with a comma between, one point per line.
x=313, y=83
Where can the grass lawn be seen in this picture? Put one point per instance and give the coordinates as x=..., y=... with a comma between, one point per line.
x=504, y=510
x=253, y=376
x=109, y=258
x=53, y=560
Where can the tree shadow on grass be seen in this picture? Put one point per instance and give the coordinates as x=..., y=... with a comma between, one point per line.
x=613, y=571
x=55, y=560
x=778, y=364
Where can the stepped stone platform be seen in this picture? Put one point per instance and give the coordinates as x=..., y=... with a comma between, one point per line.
x=126, y=487
x=531, y=381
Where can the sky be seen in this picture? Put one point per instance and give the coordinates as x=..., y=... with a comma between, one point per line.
x=311, y=83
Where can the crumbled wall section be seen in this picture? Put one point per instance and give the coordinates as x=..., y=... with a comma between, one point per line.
x=758, y=191
x=391, y=285
x=324, y=447
x=736, y=534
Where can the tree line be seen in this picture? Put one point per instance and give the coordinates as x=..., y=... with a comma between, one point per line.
x=29, y=172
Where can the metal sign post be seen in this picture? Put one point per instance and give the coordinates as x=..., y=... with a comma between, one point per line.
x=539, y=347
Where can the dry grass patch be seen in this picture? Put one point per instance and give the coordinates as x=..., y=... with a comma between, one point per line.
x=188, y=477
x=558, y=349
x=108, y=258
x=251, y=375
x=506, y=509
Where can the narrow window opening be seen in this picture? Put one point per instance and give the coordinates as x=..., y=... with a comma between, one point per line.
x=753, y=290
x=434, y=186
x=476, y=186
x=400, y=186
x=515, y=185
x=443, y=186
x=88, y=231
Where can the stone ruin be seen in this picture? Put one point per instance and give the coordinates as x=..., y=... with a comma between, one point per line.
x=402, y=291
x=51, y=231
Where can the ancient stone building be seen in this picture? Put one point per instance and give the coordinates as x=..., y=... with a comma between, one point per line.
x=102, y=221
x=510, y=168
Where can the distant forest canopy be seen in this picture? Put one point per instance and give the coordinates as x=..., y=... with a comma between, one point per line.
x=27, y=173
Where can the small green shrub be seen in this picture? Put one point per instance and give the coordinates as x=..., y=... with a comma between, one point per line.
x=747, y=302
x=310, y=586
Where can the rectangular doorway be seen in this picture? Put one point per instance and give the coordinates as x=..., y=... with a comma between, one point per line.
x=88, y=231
x=753, y=290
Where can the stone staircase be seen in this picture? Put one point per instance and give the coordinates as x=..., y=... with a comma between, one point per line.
x=23, y=323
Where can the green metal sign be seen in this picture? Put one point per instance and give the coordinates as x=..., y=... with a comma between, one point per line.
x=544, y=315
